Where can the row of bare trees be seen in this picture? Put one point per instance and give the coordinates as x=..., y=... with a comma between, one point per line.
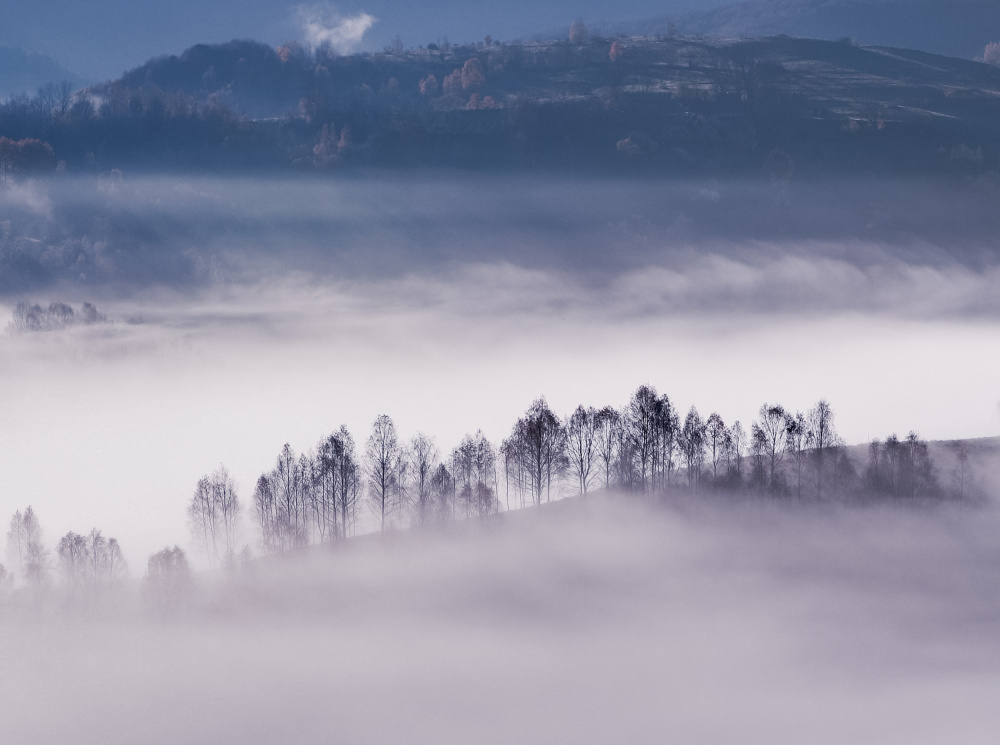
x=88, y=561
x=92, y=568
x=312, y=497
x=646, y=446
x=317, y=497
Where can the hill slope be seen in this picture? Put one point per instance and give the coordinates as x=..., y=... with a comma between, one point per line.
x=25, y=72
x=685, y=104
x=959, y=28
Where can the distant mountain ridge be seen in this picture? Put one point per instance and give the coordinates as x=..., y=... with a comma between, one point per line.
x=25, y=72
x=956, y=28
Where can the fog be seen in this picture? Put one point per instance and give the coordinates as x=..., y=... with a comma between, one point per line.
x=244, y=314
x=590, y=621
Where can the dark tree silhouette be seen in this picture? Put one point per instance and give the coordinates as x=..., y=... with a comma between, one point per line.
x=581, y=445
x=539, y=444
x=824, y=439
x=770, y=433
x=715, y=442
x=424, y=456
x=382, y=455
x=608, y=435
x=692, y=445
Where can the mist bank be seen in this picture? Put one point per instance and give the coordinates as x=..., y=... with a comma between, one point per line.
x=919, y=247
x=240, y=315
x=587, y=621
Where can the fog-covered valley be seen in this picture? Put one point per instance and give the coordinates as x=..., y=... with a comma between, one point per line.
x=237, y=315
x=635, y=382
x=227, y=317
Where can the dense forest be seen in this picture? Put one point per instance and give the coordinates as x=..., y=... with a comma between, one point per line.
x=767, y=107
x=648, y=449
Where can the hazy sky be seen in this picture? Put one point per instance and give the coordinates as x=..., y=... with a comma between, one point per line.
x=103, y=38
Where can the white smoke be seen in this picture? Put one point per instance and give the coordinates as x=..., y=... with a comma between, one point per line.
x=323, y=24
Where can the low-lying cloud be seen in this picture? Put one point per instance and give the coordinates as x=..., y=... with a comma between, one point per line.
x=593, y=622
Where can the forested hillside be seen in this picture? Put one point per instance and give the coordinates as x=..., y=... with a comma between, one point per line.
x=683, y=105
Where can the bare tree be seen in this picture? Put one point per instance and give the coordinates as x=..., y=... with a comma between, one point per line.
x=581, y=445
x=115, y=566
x=90, y=560
x=692, y=441
x=715, y=442
x=901, y=468
x=443, y=492
x=279, y=504
x=798, y=438
x=758, y=452
x=541, y=443
x=230, y=508
x=265, y=510
x=738, y=443
x=17, y=541
x=338, y=484
x=668, y=432
x=607, y=425
x=289, y=491
x=74, y=559
x=214, y=513
x=203, y=518
x=382, y=453
x=24, y=545
x=424, y=456
x=824, y=439
x=474, y=468
x=773, y=431
x=642, y=428
x=168, y=580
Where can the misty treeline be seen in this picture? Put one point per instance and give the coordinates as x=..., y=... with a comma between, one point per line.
x=647, y=447
x=681, y=104
x=85, y=571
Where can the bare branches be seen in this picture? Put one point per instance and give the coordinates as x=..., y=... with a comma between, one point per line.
x=382, y=454
x=581, y=445
x=214, y=515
